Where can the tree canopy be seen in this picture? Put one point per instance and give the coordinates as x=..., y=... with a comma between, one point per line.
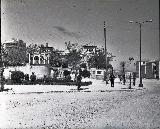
x=14, y=56
x=74, y=56
x=98, y=60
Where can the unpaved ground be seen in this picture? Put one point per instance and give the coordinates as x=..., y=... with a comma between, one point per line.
x=138, y=109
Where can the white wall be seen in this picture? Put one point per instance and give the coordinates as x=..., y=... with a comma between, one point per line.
x=39, y=71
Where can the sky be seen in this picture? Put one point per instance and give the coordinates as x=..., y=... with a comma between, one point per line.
x=81, y=21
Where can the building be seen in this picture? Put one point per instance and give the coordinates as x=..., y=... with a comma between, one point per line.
x=14, y=43
x=41, y=57
x=88, y=51
x=97, y=73
x=39, y=62
x=143, y=69
x=14, y=52
x=152, y=69
x=149, y=69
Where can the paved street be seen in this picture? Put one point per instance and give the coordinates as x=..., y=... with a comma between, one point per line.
x=96, y=106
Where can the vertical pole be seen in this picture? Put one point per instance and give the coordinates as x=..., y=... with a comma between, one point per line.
x=159, y=55
x=130, y=80
x=140, y=85
x=1, y=70
x=106, y=76
x=1, y=65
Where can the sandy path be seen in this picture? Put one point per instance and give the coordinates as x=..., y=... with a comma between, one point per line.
x=116, y=109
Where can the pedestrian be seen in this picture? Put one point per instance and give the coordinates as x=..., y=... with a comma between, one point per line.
x=44, y=79
x=124, y=79
x=112, y=77
x=134, y=79
x=79, y=78
x=33, y=78
x=2, y=79
x=120, y=78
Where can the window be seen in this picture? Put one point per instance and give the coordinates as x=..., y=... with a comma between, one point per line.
x=99, y=72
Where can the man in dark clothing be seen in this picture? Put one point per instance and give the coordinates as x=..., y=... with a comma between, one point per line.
x=2, y=80
x=112, y=77
x=124, y=79
x=134, y=79
x=79, y=78
x=33, y=78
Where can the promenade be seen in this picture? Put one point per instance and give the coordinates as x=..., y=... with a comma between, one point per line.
x=97, y=85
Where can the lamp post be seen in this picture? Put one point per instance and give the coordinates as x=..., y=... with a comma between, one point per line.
x=106, y=76
x=140, y=56
x=1, y=70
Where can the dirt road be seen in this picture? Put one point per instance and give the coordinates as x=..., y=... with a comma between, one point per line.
x=138, y=109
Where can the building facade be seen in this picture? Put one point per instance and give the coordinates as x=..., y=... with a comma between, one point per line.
x=149, y=69
x=14, y=52
x=14, y=43
x=152, y=70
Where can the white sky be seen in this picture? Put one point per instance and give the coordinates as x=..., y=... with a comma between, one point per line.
x=81, y=21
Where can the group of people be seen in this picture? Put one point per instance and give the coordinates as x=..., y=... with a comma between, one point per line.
x=122, y=78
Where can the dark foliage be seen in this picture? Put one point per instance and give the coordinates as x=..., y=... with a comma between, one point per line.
x=74, y=56
x=17, y=77
x=66, y=73
x=83, y=65
x=85, y=73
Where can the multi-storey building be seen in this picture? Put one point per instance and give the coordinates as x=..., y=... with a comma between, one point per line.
x=16, y=44
x=42, y=57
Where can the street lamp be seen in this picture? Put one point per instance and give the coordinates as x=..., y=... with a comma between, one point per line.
x=140, y=26
x=106, y=76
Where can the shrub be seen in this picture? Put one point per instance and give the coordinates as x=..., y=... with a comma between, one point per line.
x=68, y=78
x=17, y=77
x=83, y=65
x=66, y=73
x=85, y=73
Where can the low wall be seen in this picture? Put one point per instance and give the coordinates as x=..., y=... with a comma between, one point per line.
x=39, y=71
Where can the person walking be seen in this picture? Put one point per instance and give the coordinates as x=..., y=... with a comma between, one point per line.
x=120, y=78
x=112, y=77
x=124, y=79
x=134, y=79
x=2, y=79
x=79, y=78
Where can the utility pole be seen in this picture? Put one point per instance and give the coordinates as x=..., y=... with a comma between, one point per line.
x=106, y=74
x=140, y=31
x=140, y=54
x=1, y=70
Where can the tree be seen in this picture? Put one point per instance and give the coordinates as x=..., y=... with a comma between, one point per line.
x=98, y=60
x=32, y=48
x=85, y=73
x=83, y=65
x=14, y=56
x=55, y=59
x=74, y=56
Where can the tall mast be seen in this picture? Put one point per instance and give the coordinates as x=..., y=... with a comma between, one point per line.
x=105, y=50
